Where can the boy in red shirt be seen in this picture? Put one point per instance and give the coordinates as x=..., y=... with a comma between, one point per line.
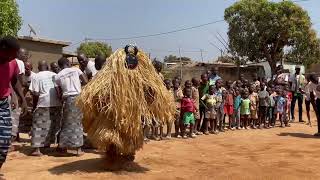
x=9, y=72
x=188, y=110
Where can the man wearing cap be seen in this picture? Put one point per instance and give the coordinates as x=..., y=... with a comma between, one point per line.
x=297, y=82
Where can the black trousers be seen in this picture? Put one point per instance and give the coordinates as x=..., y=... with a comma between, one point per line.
x=293, y=104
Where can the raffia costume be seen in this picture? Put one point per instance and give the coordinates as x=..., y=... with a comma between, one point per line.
x=119, y=98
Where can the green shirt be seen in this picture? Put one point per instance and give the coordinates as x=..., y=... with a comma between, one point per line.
x=245, y=107
x=203, y=89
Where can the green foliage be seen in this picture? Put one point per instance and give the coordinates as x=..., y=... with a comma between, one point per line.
x=307, y=52
x=10, y=21
x=93, y=49
x=175, y=59
x=261, y=30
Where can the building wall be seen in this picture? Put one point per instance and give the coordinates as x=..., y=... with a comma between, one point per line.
x=42, y=51
x=314, y=68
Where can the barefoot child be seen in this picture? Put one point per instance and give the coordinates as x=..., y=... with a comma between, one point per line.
x=209, y=102
x=203, y=90
x=281, y=107
x=237, y=103
x=188, y=108
x=168, y=84
x=220, y=93
x=254, y=104
x=195, y=97
x=178, y=95
x=228, y=105
x=245, y=109
x=271, y=108
x=289, y=96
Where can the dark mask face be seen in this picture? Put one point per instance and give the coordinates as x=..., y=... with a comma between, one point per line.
x=131, y=62
x=131, y=59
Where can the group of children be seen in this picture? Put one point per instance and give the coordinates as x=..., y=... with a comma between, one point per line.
x=202, y=107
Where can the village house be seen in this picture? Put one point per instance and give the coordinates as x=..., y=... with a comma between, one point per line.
x=42, y=49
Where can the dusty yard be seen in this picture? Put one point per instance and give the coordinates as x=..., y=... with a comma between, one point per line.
x=279, y=153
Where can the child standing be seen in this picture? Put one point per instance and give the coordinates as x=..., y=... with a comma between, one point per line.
x=263, y=105
x=178, y=95
x=237, y=103
x=195, y=97
x=281, y=107
x=203, y=90
x=254, y=104
x=228, y=107
x=209, y=102
x=168, y=84
x=271, y=108
x=188, y=108
x=245, y=109
x=220, y=104
x=289, y=97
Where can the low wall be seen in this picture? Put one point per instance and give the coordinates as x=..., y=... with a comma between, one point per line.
x=227, y=73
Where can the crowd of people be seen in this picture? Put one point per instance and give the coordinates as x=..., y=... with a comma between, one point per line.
x=210, y=105
x=43, y=104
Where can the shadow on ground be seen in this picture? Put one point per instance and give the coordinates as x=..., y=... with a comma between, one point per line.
x=94, y=166
x=299, y=135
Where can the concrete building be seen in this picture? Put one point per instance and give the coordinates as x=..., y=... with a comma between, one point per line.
x=42, y=49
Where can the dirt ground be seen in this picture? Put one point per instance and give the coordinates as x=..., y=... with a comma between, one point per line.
x=278, y=153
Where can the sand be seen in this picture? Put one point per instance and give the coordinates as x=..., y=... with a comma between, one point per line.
x=278, y=153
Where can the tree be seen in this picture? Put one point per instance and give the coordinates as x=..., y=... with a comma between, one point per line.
x=175, y=59
x=307, y=52
x=93, y=49
x=10, y=21
x=260, y=30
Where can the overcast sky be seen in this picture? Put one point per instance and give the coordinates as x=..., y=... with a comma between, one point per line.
x=74, y=21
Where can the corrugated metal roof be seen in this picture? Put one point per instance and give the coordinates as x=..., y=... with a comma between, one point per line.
x=43, y=40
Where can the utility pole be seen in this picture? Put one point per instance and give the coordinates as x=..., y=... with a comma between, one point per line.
x=201, y=52
x=180, y=63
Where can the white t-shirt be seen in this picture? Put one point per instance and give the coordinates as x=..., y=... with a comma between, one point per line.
x=43, y=84
x=307, y=91
x=69, y=81
x=284, y=77
x=21, y=66
x=91, y=69
x=315, y=88
x=298, y=81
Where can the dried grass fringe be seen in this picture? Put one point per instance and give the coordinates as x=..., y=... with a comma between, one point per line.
x=117, y=99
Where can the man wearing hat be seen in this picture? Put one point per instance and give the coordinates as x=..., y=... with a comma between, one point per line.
x=297, y=82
